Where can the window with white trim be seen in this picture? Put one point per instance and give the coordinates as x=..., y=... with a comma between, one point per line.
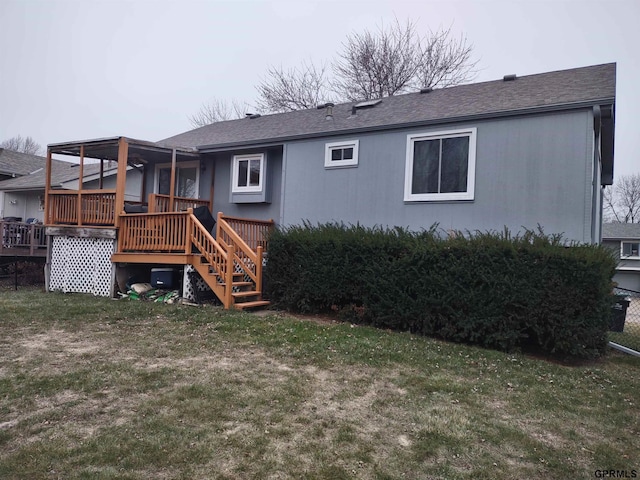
x=630, y=250
x=440, y=166
x=248, y=173
x=341, y=154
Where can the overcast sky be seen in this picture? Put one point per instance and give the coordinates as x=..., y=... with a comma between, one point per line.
x=74, y=70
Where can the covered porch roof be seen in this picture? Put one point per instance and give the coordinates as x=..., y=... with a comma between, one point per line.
x=126, y=152
x=139, y=151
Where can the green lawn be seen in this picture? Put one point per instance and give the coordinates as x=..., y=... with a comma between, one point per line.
x=93, y=388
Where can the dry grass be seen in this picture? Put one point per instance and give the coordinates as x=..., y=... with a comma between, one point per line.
x=95, y=388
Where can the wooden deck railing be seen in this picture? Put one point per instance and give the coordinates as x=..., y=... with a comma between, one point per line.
x=162, y=203
x=255, y=233
x=97, y=207
x=248, y=239
x=215, y=258
x=153, y=232
x=22, y=239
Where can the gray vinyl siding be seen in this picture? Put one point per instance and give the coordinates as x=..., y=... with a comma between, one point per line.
x=222, y=199
x=530, y=170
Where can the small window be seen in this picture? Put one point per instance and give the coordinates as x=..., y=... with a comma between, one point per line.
x=248, y=173
x=341, y=154
x=440, y=166
x=631, y=249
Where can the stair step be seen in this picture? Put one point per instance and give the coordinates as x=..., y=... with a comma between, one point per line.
x=256, y=304
x=239, y=284
x=249, y=293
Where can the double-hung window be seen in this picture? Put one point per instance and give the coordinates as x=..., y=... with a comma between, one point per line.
x=248, y=173
x=341, y=154
x=440, y=166
x=630, y=249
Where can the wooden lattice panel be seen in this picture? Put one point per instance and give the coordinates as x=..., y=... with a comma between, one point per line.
x=82, y=265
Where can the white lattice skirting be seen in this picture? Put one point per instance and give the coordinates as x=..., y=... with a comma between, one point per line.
x=82, y=265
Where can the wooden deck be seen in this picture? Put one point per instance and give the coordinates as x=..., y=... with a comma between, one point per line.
x=230, y=263
x=22, y=240
x=159, y=229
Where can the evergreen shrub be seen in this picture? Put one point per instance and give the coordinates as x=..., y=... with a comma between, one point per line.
x=491, y=289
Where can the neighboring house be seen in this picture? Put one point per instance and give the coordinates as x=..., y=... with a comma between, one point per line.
x=16, y=164
x=517, y=153
x=624, y=240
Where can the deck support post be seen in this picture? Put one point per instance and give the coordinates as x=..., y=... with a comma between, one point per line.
x=187, y=240
x=80, y=178
x=172, y=187
x=228, y=298
x=259, y=270
x=47, y=215
x=121, y=178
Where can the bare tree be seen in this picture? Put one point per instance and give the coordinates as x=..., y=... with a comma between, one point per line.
x=23, y=145
x=377, y=64
x=397, y=60
x=217, y=111
x=444, y=61
x=294, y=89
x=388, y=61
x=622, y=200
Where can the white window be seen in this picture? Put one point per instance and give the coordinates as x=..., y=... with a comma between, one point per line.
x=440, y=166
x=248, y=173
x=630, y=250
x=186, y=181
x=341, y=154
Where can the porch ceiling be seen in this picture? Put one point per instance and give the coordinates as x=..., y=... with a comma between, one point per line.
x=140, y=151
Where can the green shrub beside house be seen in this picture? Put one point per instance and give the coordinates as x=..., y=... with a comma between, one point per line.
x=491, y=289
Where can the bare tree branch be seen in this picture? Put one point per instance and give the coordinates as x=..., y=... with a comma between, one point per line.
x=217, y=111
x=295, y=89
x=398, y=60
x=388, y=61
x=378, y=64
x=444, y=61
x=622, y=200
x=24, y=145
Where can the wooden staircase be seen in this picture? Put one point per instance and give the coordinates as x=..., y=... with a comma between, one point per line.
x=228, y=264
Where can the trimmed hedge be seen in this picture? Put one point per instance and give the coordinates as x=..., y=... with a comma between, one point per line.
x=490, y=289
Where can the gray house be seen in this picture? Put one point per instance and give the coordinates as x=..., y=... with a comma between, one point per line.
x=517, y=152
x=14, y=165
x=624, y=240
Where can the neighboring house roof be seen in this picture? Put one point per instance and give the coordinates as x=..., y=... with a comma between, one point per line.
x=16, y=163
x=578, y=87
x=61, y=172
x=621, y=231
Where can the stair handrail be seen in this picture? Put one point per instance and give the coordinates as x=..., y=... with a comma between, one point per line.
x=209, y=238
x=241, y=246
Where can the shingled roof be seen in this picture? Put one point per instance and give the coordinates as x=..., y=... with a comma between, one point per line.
x=16, y=163
x=61, y=172
x=574, y=88
x=621, y=231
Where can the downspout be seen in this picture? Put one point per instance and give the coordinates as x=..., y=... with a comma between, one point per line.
x=283, y=184
x=596, y=195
